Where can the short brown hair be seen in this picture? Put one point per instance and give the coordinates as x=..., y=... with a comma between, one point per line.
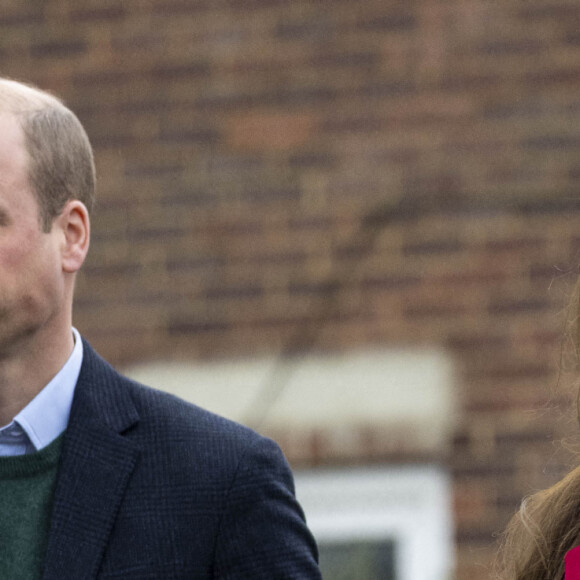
x=61, y=163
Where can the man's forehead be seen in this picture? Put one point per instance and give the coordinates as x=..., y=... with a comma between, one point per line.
x=16, y=194
x=17, y=97
x=11, y=133
x=13, y=154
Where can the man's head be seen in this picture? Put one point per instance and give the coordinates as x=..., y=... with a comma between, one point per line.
x=46, y=187
x=60, y=164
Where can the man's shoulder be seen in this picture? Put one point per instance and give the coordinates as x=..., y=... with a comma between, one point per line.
x=160, y=420
x=162, y=410
x=178, y=434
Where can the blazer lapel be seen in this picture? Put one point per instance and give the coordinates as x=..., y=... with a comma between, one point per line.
x=95, y=468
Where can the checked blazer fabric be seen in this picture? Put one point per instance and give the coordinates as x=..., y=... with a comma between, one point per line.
x=152, y=488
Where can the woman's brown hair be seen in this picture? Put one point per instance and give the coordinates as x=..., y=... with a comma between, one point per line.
x=537, y=538
x=547, y=524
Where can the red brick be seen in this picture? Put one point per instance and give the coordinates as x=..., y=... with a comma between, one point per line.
x=277, y=131
x=282, y=177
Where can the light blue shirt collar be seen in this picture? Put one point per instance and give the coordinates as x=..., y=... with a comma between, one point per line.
x=46, y=416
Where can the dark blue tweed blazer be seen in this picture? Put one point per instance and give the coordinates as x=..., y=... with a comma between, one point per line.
x=153, y=488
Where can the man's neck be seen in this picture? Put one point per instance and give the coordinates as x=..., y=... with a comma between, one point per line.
x=24, y=375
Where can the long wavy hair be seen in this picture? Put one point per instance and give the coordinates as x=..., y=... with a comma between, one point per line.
x=547, y=524
x=537, y=538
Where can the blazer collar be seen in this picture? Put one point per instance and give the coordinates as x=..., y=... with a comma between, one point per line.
x=100, y=395
x=95, y=468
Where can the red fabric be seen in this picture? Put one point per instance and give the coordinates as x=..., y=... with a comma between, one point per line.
x=572, y=560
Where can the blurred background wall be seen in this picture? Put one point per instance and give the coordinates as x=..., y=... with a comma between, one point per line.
x=322, y=176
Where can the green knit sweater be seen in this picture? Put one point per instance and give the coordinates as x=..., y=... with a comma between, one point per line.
x=27, y=485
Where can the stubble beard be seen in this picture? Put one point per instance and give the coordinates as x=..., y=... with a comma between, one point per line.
x=12, y=333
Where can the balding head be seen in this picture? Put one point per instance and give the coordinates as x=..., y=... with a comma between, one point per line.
x=61, y=165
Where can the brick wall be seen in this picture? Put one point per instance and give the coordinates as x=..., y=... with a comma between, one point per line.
x=327, y=174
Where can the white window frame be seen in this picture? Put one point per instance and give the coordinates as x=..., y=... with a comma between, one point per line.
x=409, y=504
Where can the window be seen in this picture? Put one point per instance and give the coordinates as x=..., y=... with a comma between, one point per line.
x=363, y=560
x=391, y=523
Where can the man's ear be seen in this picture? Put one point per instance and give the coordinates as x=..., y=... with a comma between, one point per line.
x=75, y=225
